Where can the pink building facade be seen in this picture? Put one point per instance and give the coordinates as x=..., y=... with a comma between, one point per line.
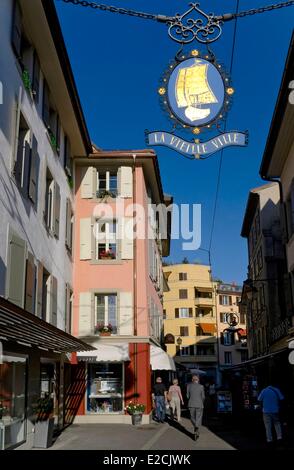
x=118, y=280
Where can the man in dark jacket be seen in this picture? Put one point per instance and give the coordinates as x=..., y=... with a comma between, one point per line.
x=196, y=397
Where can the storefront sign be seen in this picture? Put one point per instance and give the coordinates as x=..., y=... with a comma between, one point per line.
x=191, y=148
x=196, y=94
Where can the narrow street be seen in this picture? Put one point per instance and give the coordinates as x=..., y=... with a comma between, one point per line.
x=215, y=435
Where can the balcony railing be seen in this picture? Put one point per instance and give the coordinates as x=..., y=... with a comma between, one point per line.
x=204, y=301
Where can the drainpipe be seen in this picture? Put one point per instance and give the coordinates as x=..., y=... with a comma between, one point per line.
x=135, y=285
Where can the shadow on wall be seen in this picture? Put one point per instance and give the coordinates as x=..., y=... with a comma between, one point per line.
x=75, y=388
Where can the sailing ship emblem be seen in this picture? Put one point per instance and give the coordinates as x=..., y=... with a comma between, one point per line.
x=196, y=92
x=193, y=91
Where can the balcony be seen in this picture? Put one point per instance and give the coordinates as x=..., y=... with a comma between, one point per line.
x=202, y=358
x=204, y=301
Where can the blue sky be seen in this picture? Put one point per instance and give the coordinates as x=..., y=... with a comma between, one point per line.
x=118, y=62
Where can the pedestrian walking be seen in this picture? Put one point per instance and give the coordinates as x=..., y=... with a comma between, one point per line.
x=159, y=398
x=196, y=397
x=271, y=398
x=176, y=399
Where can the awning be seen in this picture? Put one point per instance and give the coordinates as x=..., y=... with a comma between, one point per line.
x=160, y=360
x=204, y=289
x=207, y=327
x=241, y=332
x=106, y=353
x=22, y=327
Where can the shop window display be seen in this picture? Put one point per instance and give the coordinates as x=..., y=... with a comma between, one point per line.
x=105, y=388
x=12, y=400
x=250, y=392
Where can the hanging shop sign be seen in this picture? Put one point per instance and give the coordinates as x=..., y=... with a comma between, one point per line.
x=196, y=94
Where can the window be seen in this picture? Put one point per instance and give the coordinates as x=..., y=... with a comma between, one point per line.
x=244, y=355
x=51, y=119
x=202, y=294
x=185, y=312
x=67, y=158
x=106, y=310
x=183, y=294
x=105, y=388
x=223, y=317
x=49, y=298
x=228, y=357
x=52, y=205
x=13, y=392
x=184, y=331
x=23, y=151
x=185, y=351
x=164, y=314
x=106, y=183
x=227, y=336
x=199, y=331
x=69, y=226
x=242, y=317
x=106, y=246
x=225, y=300
x=205, y=350
x=183, y=276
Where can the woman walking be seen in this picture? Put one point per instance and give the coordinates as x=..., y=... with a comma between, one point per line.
x=176, y=399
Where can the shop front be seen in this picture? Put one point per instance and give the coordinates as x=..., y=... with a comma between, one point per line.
x=32, y=362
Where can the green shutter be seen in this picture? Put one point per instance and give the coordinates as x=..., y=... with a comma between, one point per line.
x=34, y=172
x=191, y=312
x=39, y=289
x=53, y=300
x=56, y=210
x=26, y=168
x=176, y=313
x=46, y=105
x=30, y=284
x=16, y=270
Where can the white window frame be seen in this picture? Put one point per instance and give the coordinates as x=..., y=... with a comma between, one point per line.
x=106, y=310
x=181, y=315
x=110, y=237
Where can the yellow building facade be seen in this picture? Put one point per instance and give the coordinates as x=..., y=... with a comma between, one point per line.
x=190, y=323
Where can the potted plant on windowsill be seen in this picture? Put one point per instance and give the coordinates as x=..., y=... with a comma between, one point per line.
x=107, y=254
x=103, y=330
x=136, y=410
x=44, y=425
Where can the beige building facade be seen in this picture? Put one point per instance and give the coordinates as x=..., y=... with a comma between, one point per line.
x=190, y=324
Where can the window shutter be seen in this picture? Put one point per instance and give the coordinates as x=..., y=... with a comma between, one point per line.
x=36, y=77
x=230, y=300
x=232, y=338
x=85, y=239
x=176, y=313
x=126, y=313
x=89, y=182
x=85, y=314
x=34, y=172
x=67, y=319
x=126, y=181
x=16, y=270
x=68, y=234
x=30, y=284
x=190, y=312
x=16, y=30
x=39, y=289
x=26, y=168
x=222, y=338
x=53, y=300
x=46, y=105
x=126, y=237
x=56, y=212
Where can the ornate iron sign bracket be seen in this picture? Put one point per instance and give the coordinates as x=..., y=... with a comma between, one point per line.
x=184, y=29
